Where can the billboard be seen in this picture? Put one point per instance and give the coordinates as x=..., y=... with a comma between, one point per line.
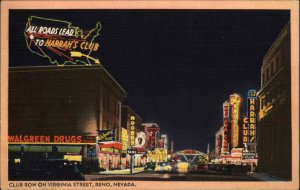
x=61, y=42
x=235, y=102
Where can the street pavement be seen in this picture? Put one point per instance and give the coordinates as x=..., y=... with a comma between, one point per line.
x=140, y=175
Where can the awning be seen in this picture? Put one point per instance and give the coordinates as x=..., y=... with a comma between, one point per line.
x=69, y=149
x=29, y=148
x=36, y=148
x=113, y=144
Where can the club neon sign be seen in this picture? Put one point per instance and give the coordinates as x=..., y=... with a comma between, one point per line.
x=235, y=102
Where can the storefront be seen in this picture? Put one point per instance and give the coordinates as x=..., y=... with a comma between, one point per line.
x=140, y=158
x=110, y=155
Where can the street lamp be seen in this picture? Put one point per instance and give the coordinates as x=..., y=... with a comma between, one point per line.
x=131, y=151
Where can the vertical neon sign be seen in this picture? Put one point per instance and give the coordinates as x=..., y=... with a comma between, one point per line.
x=132, y=129
x=252, y=116
x=225, y=125
x=235, y=102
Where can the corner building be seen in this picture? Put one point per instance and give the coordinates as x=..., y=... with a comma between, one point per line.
x=55, y=112
x=274, y=115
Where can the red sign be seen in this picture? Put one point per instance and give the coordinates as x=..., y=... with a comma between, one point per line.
x=51, y=139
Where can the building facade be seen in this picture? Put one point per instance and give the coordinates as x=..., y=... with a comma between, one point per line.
x=274, y=115
x=132, y=125
x=57, y=112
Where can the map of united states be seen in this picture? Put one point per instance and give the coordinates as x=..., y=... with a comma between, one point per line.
x=61, y=42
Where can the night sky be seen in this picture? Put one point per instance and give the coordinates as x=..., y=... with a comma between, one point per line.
x=177, y=66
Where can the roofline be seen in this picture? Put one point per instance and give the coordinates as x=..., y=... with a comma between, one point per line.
x=54, y=68
x=279, y=36
x=126, y=106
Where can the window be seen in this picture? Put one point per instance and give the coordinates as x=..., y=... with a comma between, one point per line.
x=277, y=62
x=272, y=71
x=267, y=74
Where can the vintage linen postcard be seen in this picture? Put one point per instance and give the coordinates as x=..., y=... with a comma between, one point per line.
x=149, y=95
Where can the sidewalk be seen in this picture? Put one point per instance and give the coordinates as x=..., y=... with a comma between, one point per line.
x=265, y=177
x=122, y=172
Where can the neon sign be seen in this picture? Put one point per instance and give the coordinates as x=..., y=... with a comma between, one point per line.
x=245, y=130
x=252, y=115
x=132, y=129
x=50, y=139
x=235, y=102
x=61, y=42
x=106, y=135
x=225, y=125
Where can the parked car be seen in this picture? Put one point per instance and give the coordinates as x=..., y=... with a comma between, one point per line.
x=182, y=167
x=163, y=167
x=228, y=168
x=150, y=166
x=52, y=170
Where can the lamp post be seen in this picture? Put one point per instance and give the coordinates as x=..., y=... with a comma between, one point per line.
x=131, y=151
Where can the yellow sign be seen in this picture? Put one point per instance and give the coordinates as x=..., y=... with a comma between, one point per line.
x=132, y=130
x=235, y=102
x=158, y=155
x=124, y=139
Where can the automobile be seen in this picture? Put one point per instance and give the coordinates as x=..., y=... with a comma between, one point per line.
x=150, y=166
x=228, y=168
x=182, y=167
x=52, y=169
x=201, y=166
x=163, y=167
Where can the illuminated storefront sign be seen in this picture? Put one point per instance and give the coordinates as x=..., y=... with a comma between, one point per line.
x=252, y=115
x=219, y=144
x=163, y=141
x=61, y=42
x=153, y=139
x=237, y=152
x=225, y=126
x=106, y=135
x=245, y=130
x=235, y=102
x=132, y=130
x=140, y=139
x=50, y=139
x=158, y=155
x=151, y=135
x=124, y=140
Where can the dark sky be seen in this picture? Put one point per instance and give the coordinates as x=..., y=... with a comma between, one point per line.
x=178, y=66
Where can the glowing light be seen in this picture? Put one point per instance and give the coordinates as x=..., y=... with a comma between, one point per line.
x=235, y=102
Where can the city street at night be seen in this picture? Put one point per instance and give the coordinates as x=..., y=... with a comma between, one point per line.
x=97, y=97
